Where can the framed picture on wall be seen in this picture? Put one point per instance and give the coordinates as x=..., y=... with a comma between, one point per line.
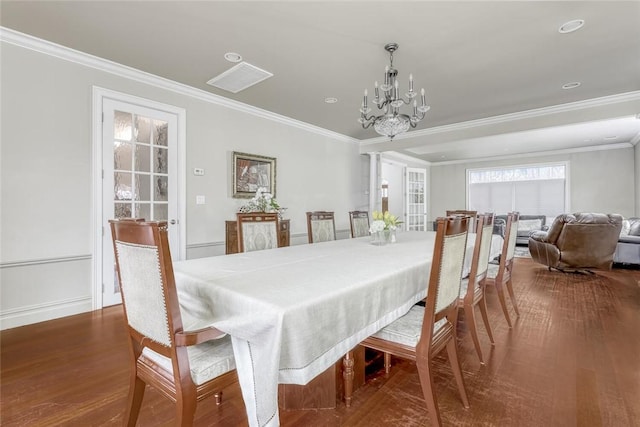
x=251, y=171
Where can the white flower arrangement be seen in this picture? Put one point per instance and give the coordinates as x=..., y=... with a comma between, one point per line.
x=390, y=222
x=262, y=202
x=377, y=226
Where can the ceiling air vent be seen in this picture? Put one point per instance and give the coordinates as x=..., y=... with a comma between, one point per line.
x=239, y=77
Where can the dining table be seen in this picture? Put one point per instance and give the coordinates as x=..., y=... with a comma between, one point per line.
x=293, y=312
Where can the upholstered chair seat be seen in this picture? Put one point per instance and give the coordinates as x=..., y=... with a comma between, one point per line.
x=407, y=329
x=492, y=271
x=206, y=361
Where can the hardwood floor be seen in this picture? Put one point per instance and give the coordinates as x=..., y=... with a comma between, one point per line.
x=571, y=359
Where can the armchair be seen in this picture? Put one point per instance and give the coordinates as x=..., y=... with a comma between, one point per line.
x=577, y=242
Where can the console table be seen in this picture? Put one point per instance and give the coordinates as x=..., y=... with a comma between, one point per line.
x=231, y=235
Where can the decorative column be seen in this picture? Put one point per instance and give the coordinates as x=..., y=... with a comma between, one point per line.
x=385, y=195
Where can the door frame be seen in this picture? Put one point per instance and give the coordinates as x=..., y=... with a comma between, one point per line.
x=100, y=233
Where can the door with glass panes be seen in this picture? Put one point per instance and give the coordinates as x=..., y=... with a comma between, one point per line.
x=139, y=176
x=416, y=199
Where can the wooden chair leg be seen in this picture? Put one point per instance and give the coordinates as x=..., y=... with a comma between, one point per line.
x=452, y=351
x=503, y=303
x=186, y=411
x=428, y=390
x=471, y=323
x=485, y=318
x=136, y=394
x=387, y=363
x=513, y=297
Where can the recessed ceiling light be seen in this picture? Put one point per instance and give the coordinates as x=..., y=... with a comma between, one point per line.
x=571, y=26
x=611, y=137
x=233, y=57
x=331, y=100
x=571, y=85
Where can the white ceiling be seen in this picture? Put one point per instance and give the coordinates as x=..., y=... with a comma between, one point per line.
x=492, y=71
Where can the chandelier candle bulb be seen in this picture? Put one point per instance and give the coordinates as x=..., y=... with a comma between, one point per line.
x=423, y=98
x=365, y=99
x=410, y=82
x=375, y=85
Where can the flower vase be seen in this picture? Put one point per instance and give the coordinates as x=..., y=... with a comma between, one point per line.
x=378, y=238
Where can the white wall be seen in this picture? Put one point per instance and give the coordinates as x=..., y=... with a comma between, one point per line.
x=600, y=181
x=636, y=149
x=46, y=176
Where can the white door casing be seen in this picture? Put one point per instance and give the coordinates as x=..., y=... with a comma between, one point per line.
x=149, y=137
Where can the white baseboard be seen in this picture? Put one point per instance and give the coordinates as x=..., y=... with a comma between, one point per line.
x=43, y=312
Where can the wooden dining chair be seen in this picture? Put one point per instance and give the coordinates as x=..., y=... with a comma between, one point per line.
x=499, y=275
x=359, y=221
x=257, y=231
x=472, y=289
x=321, y=226
x=424, y=332
x=184, y=366
x=473, y=214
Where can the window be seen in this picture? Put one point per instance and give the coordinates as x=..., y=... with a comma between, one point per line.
x=530, y=189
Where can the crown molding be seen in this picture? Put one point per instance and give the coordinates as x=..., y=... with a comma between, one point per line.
x=405, y=157
x=521, y=115
x=52, y=49
x=539, y=153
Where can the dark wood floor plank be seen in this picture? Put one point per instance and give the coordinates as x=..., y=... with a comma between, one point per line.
x=571, y=358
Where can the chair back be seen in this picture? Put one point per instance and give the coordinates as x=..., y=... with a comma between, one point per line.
x=321, y=226
x=359, y=221
x=257, y=231
x=147, y=285
x=481, y=251
x=446, y=273
x=508, y=248
x=510, y=237
x=472, y=214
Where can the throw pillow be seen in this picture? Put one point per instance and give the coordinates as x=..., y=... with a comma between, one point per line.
x=529, y=225
x=634, y=230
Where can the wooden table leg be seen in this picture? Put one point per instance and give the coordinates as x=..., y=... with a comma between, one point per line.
x=347, y=375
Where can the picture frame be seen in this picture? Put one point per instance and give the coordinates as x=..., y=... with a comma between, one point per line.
x=251, y=171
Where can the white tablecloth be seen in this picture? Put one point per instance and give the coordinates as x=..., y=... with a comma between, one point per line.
x=293, y=312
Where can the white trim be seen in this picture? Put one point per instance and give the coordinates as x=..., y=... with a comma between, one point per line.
x=27, y=315
x=43, y=46
x=99, y=95
x=407, y=158
x=538, y=153
x=42, y=261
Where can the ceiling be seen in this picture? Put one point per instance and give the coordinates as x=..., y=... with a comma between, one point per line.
x=492, y=71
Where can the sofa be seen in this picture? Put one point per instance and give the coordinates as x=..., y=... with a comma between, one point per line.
x=526, y=225
x=581, y=241
x=628, y=247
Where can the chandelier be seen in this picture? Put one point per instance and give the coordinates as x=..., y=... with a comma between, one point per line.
x=392, y=122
